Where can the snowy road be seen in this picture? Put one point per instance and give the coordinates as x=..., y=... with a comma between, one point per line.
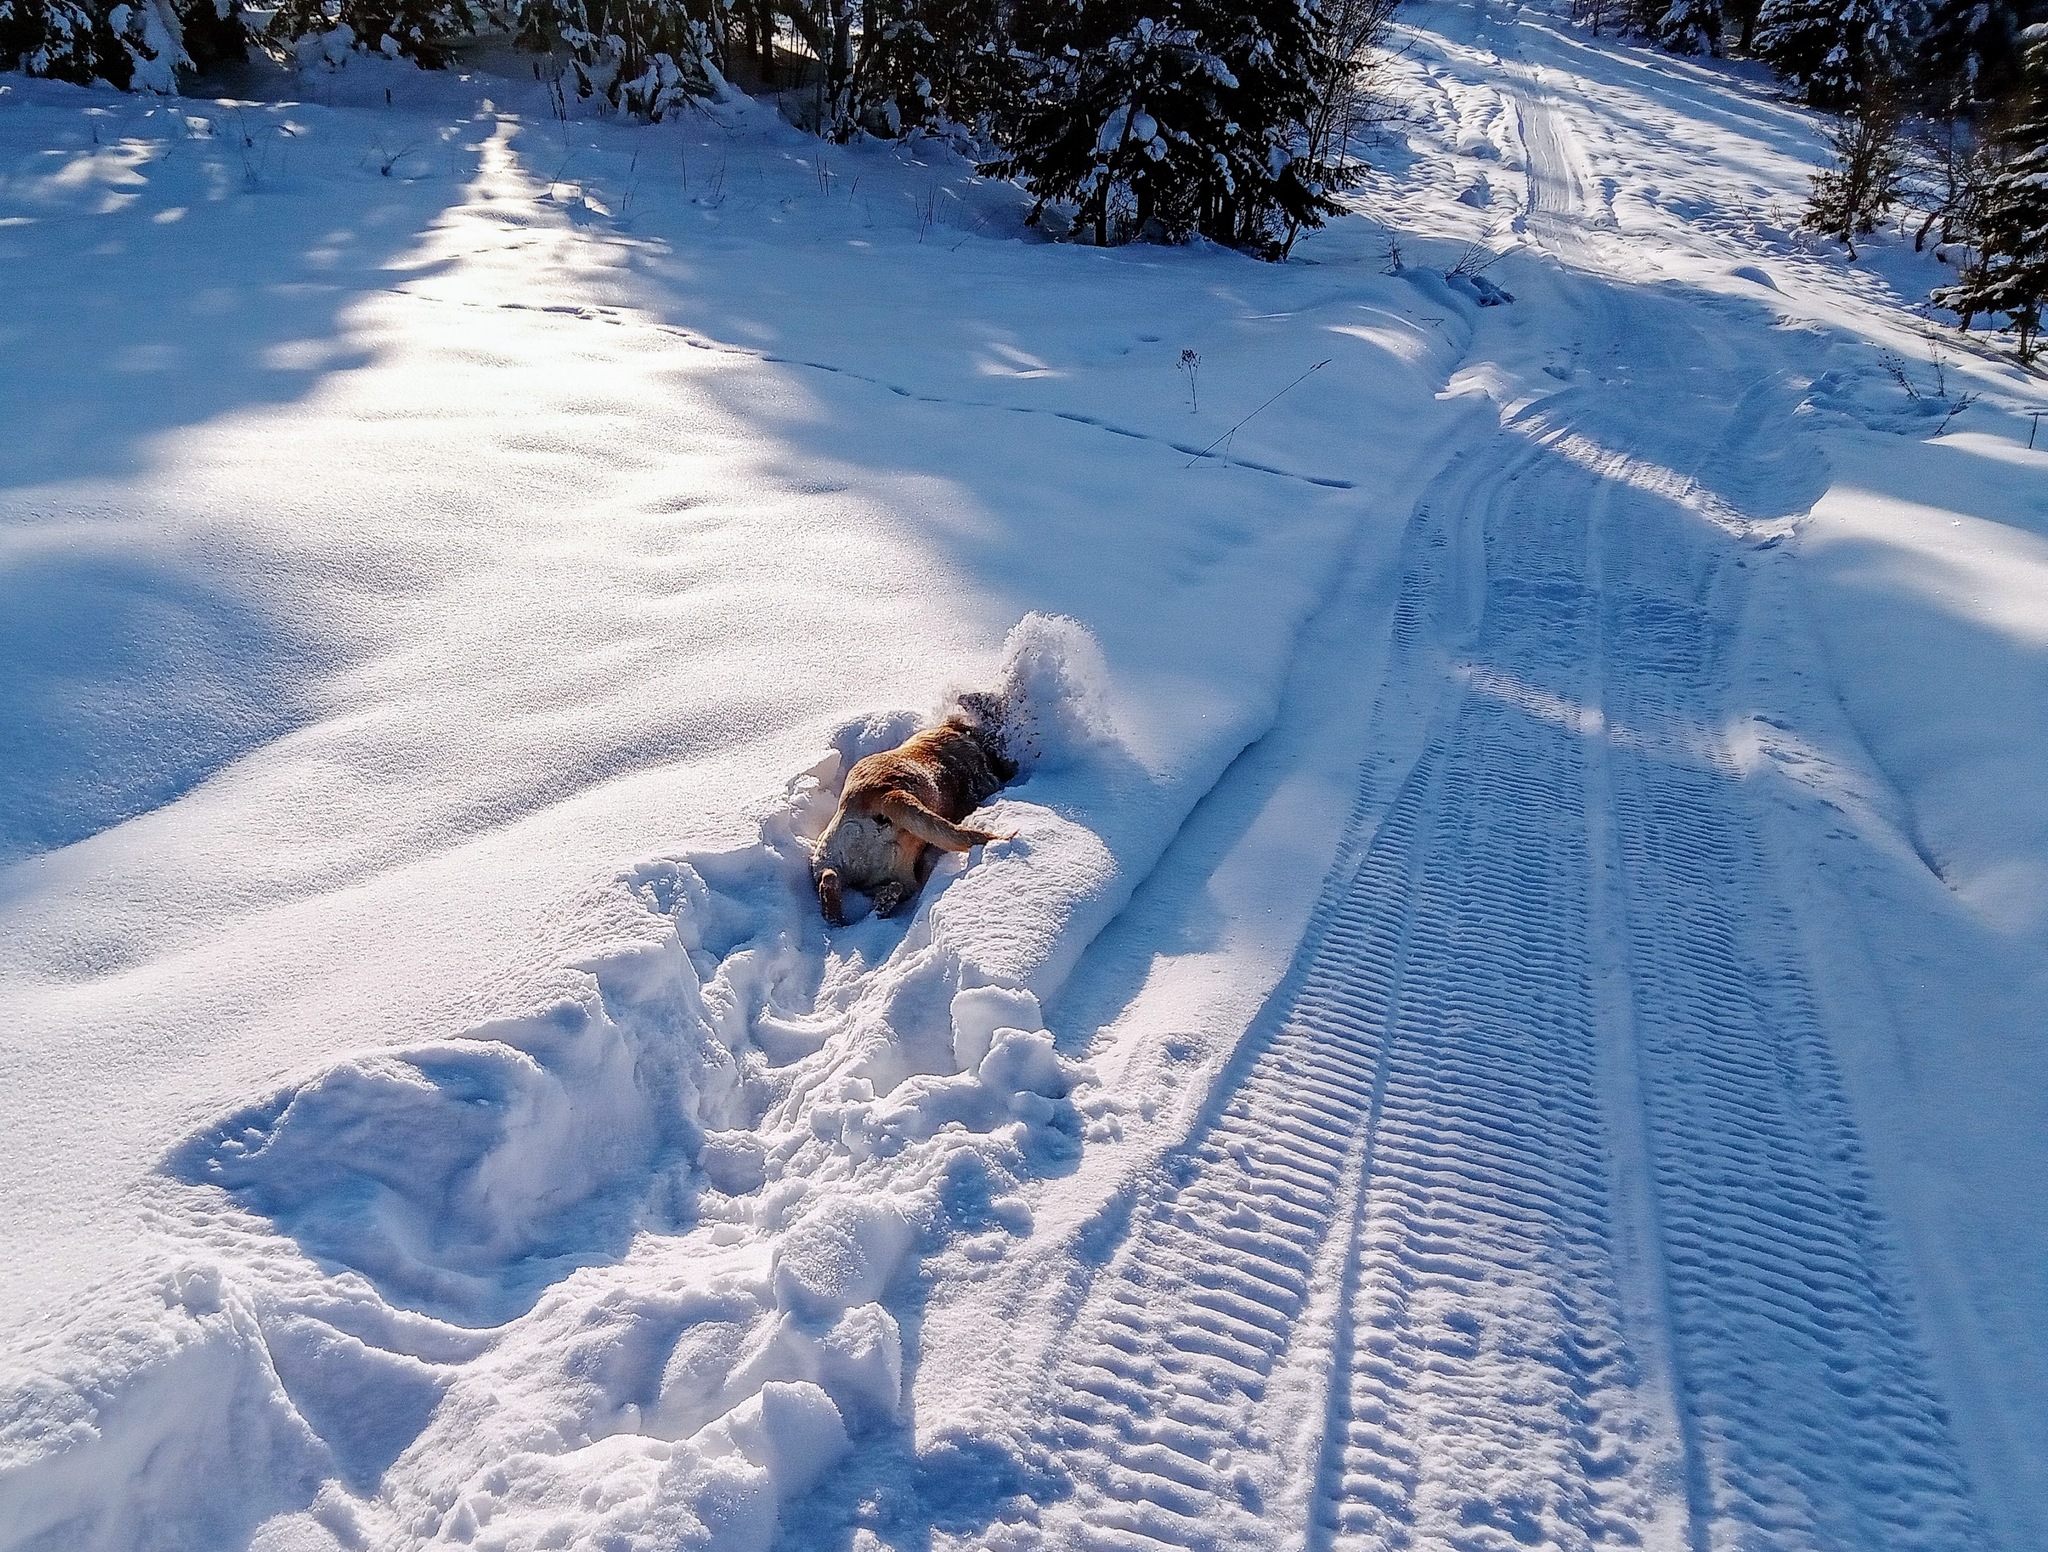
x=1539, y=1162
x=1512, y=1017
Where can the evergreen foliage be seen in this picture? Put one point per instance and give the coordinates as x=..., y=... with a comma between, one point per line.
x=1834, y=51
x=643, y=57
x=1347, y=37
x=1970, y=62
x=1849, y=197
x=214, y=31
x=62, y=39
x=134, y=45
x=927, y=64
x=2009, y=229
x=419, y=30
x=1171, y=120
x=1691, y=27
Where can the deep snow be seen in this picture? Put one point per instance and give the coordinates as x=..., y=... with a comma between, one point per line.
x=1512, y=1017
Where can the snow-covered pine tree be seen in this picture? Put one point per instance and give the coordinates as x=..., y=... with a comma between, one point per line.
x=1742, y=15
x=1170, y=119
x=62, y=39
x=2009, y=275
x=1344, y=95
x=419, y=30
x=1831, y=50
x=1275, y=179
x=131, y=44
x=214, y=31
x=1691, y=27
x=1113, y=115
x=1970, y=61
x=642, y=57
x=928, y=64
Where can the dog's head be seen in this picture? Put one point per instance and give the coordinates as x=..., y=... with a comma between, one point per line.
x=984, y=715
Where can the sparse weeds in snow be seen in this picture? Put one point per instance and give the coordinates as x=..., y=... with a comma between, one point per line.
x=1895, y=368
x=253, y=148
x=1477, y=259
x=1938, y=360
x=625, y=211
x=1956, y=408
x=558, y=101
x=1392, y=256
x=388, y=159
x=1190, y=368
x=561, y=171
x=1224, y=440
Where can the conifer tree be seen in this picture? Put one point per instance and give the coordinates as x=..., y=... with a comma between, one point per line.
x=1832, y=50
x=643, y=57
x=927, y=64
x=1171, y=119
x=2009, y=275
x=1691, y=27
x=1970, y=61
x=214, y=31
x=419, y=30
x=137, y=45
x=62, y=39
x=1849, y=197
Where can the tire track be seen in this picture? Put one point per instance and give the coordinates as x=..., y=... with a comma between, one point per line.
x=1798, y=1364
x=1160, y=1416
x=1489, y=1403
x=1799, y=1386
x=1428, y=1090
x=1539, y=1160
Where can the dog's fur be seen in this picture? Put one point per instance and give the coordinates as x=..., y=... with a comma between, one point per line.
x=901, y=808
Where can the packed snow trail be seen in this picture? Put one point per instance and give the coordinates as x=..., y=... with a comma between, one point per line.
x=1544, y=1114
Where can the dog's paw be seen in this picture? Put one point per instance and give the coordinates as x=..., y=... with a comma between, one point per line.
x=829, y=898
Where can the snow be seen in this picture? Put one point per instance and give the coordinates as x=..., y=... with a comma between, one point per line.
x=1513, y=1005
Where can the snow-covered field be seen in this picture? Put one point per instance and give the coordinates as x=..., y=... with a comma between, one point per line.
x=1513, y=1014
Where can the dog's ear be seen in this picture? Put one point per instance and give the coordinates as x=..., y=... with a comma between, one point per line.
x=828, y=896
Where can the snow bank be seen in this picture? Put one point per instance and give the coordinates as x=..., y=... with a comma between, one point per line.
x=801, y=1110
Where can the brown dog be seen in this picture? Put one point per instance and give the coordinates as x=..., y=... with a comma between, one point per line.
x=901, y=808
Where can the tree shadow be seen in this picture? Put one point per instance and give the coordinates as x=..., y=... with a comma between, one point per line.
x=132, y=678
x=169, y=265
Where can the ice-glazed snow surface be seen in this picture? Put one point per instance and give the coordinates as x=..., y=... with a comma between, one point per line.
x=1510, y=1017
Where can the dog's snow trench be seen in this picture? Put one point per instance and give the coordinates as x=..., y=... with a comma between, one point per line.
x=661, y=1228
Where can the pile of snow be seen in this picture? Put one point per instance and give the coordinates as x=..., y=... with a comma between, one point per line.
x=733, y=1092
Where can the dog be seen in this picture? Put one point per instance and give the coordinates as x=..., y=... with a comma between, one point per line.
x=901, y=808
